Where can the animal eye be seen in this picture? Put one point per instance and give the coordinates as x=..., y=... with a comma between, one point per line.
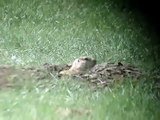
x=86, y=59
x=78, y=60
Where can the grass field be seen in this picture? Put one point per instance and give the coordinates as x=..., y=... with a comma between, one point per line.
x=33, y=32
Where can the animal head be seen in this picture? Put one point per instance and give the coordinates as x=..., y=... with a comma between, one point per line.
x=83, y=63
x=79, y=65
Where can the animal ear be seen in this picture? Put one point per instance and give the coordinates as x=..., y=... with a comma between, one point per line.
x=120, y=64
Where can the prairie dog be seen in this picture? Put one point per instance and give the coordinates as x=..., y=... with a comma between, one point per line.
x=80, y=65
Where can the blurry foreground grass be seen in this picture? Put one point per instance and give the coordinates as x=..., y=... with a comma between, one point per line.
x=74, y=100
x=33, y=32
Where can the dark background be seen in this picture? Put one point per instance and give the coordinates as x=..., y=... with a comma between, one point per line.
x=150, y=10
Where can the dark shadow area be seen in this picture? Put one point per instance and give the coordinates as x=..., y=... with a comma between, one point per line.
x=149, y=10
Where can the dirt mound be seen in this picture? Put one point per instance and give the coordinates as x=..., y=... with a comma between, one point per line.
x=108, y=73
x=101, y=74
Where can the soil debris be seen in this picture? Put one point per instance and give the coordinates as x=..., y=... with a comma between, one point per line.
x=85, y=67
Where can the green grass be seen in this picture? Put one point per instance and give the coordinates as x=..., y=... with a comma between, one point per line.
x=33, y=32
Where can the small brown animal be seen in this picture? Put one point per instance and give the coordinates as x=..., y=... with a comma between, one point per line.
x=80, y=65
